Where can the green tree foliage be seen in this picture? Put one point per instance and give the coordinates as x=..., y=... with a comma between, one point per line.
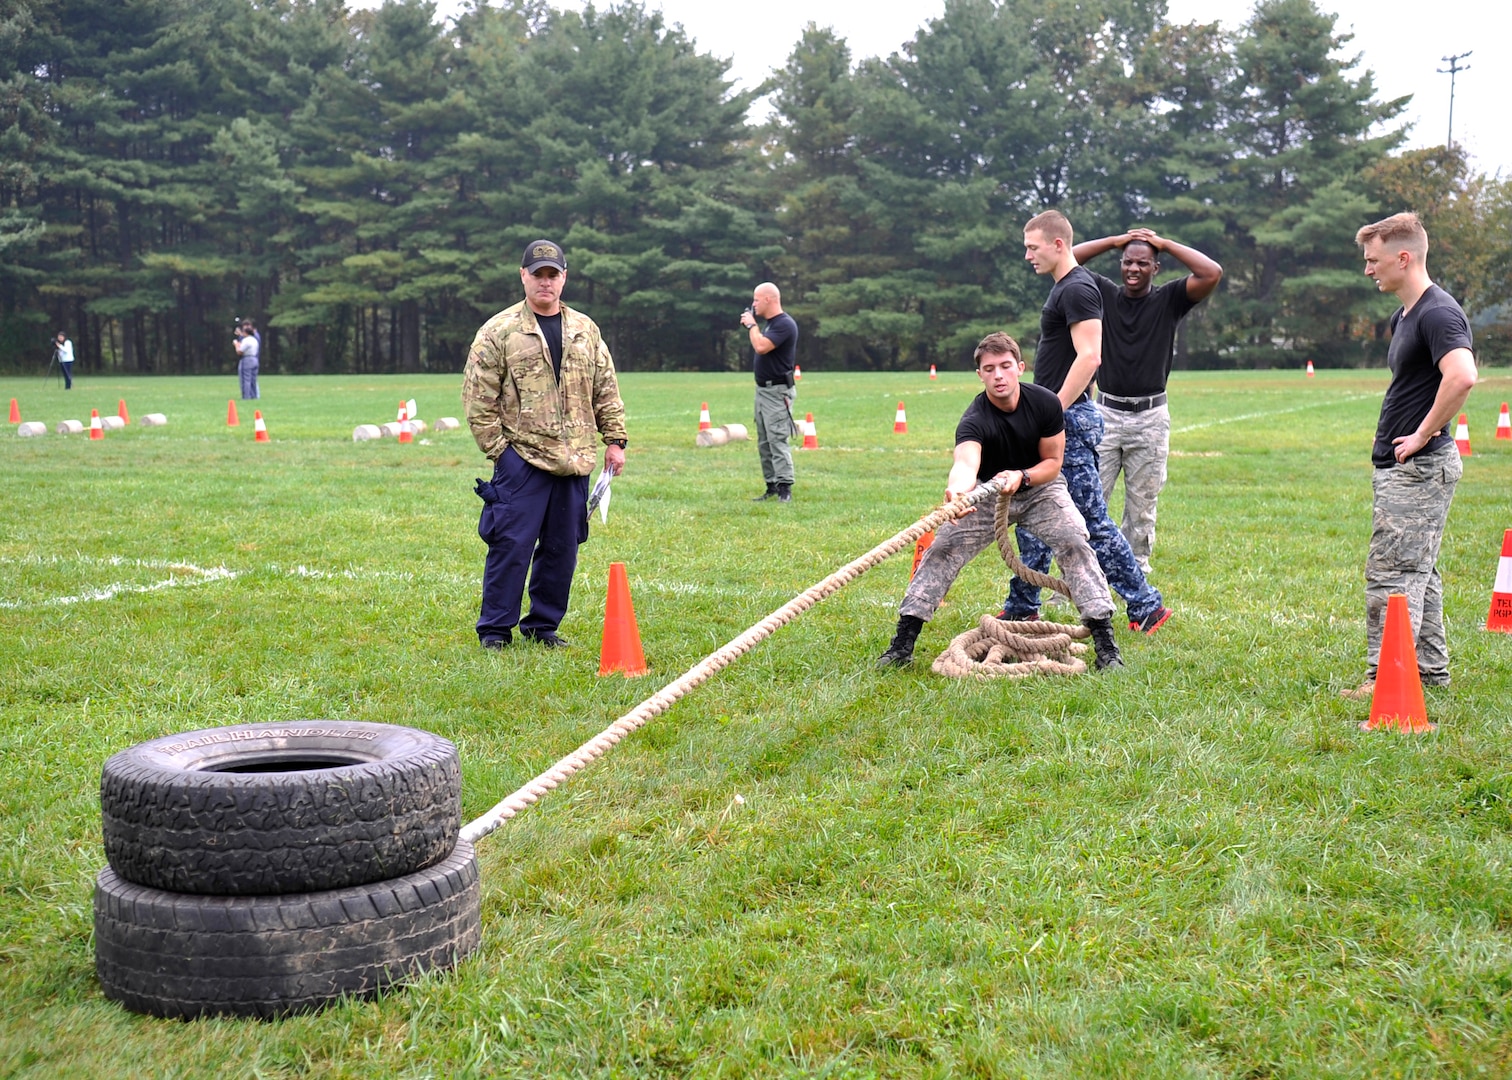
x=362, y=181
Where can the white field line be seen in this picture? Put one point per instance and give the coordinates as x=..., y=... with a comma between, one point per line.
x=1273, y=412
x=183, y=574
x=179, y=575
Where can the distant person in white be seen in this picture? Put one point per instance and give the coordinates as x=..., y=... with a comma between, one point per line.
x=63, y=351
x=248, y=346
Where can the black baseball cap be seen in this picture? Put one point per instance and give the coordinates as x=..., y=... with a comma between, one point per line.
x=539, y=253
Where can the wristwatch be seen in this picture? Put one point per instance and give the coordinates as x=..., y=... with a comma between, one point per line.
x=621, y=443
x=1024, y=482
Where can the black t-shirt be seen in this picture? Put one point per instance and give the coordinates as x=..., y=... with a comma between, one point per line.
x=777, y=365
x=1139, y=336
x=551, y=326
x=1073, y=299
x=1010, y=440
x=1420, y=338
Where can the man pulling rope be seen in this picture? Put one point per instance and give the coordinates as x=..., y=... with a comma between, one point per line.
x=1016, y=431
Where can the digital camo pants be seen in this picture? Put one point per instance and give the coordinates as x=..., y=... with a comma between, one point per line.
x=1084, y=428
x=1136, y=444
x=1410, y=507
x=1049, y=512
x=774, y=427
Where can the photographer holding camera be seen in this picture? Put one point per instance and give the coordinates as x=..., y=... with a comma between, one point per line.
x=776, y=354
x=248, y=349
x=63, y=354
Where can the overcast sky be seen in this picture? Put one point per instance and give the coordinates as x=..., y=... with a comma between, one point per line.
x=1401, y=42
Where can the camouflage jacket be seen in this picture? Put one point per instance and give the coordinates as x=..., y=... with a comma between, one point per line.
x=512, y=397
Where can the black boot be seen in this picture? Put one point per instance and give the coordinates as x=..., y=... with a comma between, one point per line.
x=900, y=652
x=1103, y=644
x=784, y=492
x=771, y=493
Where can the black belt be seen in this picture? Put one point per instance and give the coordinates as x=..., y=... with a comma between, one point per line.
x=774, y=382
x=1132, y=404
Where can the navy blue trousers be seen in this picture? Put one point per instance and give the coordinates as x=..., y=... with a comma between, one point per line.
x=1084, y=430
x=532, y=522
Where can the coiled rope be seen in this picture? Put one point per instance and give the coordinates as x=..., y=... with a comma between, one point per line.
x=996, y=649
x=668, y=695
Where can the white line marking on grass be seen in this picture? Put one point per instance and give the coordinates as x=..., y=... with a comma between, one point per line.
x=1274, y=412
x=180, y=574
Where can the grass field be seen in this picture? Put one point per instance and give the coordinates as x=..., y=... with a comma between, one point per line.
x=1199, y=868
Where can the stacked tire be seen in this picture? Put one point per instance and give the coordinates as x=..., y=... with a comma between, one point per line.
x=267, y=869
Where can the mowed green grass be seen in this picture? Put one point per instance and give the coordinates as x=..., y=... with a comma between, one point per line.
x=1199, y=868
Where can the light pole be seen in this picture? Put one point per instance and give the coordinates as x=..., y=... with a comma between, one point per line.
x=1454, y=68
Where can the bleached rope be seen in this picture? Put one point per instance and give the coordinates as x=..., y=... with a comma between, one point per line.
x=668, y=695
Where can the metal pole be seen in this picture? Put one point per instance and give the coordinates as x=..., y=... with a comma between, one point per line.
x=1453, y=70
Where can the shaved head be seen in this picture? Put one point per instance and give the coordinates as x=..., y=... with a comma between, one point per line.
x=767, y=290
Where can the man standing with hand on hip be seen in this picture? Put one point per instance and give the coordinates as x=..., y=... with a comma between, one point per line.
x=539, y=391
x=776, y=353
x=1416, y=462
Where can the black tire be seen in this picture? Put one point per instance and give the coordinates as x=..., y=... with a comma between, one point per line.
x=181, y=956
x=268, y=809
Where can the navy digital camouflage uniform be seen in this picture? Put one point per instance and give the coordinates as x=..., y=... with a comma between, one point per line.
x=543, y=436
x=1084, y=430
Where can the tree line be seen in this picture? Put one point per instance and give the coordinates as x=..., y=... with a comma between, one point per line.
x=362, y=182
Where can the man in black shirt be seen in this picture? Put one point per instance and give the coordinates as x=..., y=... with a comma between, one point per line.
x=776, y=353
x=1139, y=336
x=1070, y=350
x=1011, y=428
x=1416, y=462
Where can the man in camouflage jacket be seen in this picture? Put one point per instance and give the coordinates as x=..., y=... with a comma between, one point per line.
x=539, y=392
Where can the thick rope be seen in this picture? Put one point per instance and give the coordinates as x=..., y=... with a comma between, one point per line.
x=996, y=649
x=699, y=673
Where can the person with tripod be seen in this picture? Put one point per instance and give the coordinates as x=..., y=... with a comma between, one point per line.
x=63, y=354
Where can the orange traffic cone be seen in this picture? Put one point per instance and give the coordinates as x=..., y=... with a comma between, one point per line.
x=1503, y=422
x=1500, y=615
x=259, y=429
x=16, y=412
x=932, y=374
x=921, y=545
x=96, y=429
x=810, y=433
x=406, y=434
x=1462, y=436
x=900, y=421
x=1309, y=369
x=1397, y=702
x=703, y=417
x=231, y=420
x=621, y=650
x=797, y=372
x=121, y=411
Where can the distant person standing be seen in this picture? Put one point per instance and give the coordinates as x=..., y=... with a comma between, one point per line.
x=776, y=354
x=1416, y=462
x=248, y=352
x=540, y=392
x=1139, y=339
x=1069, y=353
x=63, y=353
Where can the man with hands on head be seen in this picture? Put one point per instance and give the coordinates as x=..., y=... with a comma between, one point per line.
x=1069, y=353
x=1138, y=340
x=540, y=391
x=1014, y=430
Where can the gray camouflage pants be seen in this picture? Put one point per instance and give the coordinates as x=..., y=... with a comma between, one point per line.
x=1138, y=444
x=774, y=426
x=1410, y=508
x=1050, y=514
